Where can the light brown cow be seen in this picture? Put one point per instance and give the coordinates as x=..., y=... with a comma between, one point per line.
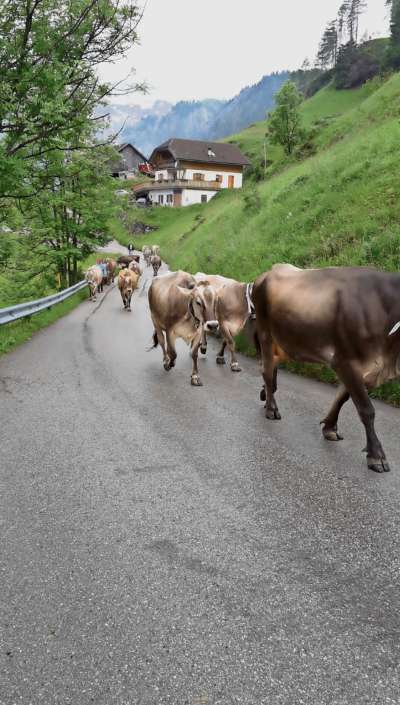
x=94, y=278
x=155, y=250
x=135, y=267
x=147, y=254
x=234, y=308
x=127, y=283
x=155, y=262
x=180, y=308
x=345, y=317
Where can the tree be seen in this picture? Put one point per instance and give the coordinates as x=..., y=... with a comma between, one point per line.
x=328, y=47
x=49, y=83
x=284, y=122
x=393, y=54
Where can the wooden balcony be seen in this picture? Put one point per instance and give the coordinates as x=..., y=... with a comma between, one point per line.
x=173, y=184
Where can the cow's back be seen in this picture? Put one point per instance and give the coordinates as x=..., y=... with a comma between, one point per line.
x=167, y=304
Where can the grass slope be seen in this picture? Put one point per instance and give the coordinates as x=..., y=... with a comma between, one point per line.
x=338, y=207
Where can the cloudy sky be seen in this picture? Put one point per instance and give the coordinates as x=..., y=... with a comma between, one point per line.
x=194, y=49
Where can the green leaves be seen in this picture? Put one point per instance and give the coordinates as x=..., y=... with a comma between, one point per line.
x=285, y=122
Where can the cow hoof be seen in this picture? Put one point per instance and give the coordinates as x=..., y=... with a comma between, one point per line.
x=235, y=367
x=220, y=360
x=167, y=365
x=195, y=381
x=331, y=434
x=263, y=396
x=378, y=464
x=273, y=414
x=203, y=349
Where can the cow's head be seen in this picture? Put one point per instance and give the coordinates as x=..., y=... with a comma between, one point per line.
x=202, y=305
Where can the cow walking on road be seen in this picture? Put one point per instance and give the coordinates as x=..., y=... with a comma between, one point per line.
x=180, y=307
x=94, y=278
x=345, y=317
x=155, y=262
x=147, y=254
x=127, y=283
x=234, y=308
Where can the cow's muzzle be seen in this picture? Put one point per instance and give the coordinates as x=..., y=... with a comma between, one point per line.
x=211, y=326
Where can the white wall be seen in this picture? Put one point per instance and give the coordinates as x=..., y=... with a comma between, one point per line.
x=155, y=194
x=211, y=175
x=192, y=196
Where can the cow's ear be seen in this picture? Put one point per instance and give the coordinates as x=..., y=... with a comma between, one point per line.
x=188, y=293
x=203, y=282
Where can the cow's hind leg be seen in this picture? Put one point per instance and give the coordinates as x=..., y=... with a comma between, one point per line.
x=195, y=379
x=354, y=382
x=270, y=375
x=329, y=430
x=171, y=351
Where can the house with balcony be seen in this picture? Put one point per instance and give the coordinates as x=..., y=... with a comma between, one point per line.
x=192, y=171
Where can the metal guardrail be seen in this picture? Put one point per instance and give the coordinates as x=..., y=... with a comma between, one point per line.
x=13, y=313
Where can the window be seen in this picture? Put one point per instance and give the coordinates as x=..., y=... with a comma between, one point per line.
x=219, y=178
x=170, y=198
x=210, y=152
x=161, y=199
x=204, y=198
x=198, y=177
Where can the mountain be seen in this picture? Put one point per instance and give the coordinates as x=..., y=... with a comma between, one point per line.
x=125, y=117
x=250, y=105
x=203, y=119
x=191, y=119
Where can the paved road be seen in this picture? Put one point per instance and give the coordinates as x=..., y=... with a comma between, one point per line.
x=163, y=544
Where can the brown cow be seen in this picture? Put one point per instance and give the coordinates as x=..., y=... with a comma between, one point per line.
x=345, y=317
x=125, y=260
x=127, y=283
x=180, y=308
x=155, y=262
x=94, y=278
x=111, y=267
x=234, y=308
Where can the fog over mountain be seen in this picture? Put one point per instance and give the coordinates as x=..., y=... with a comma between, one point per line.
x=206, y=119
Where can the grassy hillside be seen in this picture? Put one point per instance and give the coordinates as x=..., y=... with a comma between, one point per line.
x=338, y=207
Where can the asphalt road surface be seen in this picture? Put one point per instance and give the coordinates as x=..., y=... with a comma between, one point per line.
x=164, y=544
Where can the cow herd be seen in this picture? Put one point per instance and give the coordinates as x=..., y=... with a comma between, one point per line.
x=345, y=317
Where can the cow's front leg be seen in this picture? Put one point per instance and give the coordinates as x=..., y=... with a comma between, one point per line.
x=203, y=343
x=128, y=302
x=355, y=384
x=220, y=359
x=171, y=351
x=195, y=379
x=330, y=430
x=270, y=374
x=235, y=367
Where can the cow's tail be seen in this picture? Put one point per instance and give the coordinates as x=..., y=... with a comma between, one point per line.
x=155, y=341
x=257, y=343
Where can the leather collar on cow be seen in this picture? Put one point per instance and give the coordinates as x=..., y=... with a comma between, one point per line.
x=193, y=315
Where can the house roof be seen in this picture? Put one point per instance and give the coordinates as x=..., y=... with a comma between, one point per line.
x=121, y=147
x=204, y=152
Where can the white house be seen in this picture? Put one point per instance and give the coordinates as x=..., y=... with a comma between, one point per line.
x=192, y=171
